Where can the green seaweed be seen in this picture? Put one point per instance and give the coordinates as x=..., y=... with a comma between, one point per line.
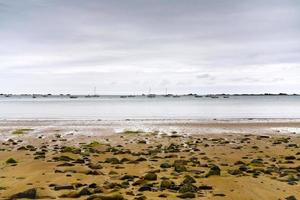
x=21, y=131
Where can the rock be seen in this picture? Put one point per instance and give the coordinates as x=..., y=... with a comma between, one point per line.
x=95, y=166
x=80, y=161
x=150, y=177
x=187, y=195
x=11, y=161
x=72, y=194
x=214, y=171
x=113, y=173
x=163, y=195
x=128, y=177
x=85, y=191
x=239, y=162
x=63, y=158
x=124, y=160
x=291, y=198
x=290, y=157
x=166, y=184
x=243, y=168
x=92, y=185
x=22, y=148
x=188, y=188
x=93, y=172
x=106, y=197
x=113, y=161
x=146, y=187
x=29, y=194
x=234, y=172
x=98, y=190
x=188, y=179
x=141, y=198
x=172, y=148
x=179, y=167
x=165, y=165
x=257, y=162
x=219, y=195
x=139, y=182
x=112, y=185
x=141, y=159
x=64, y=187
x=65, y=165
x=205, y=187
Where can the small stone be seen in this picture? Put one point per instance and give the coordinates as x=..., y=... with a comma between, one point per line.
x=214, y=171
x=188, y=179
x=63, y=187
x=165, y=165
x=187, y=195
x=106, y=197
x=150, y=177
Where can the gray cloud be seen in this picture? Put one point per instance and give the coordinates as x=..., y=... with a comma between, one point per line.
x=128, y=46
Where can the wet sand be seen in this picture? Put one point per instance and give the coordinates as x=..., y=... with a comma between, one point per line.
x=150, y=159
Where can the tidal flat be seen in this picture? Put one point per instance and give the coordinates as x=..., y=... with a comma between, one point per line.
x=144, y=159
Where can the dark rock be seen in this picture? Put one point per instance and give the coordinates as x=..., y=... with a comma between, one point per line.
x=106, y=197
x=146, y=187
x=64, y=187
x=205, y=187
x=188, y=179
x=243, y=168
x=290, y=157
x=85, y=191
x=93, y=172
x=257, y=161
x=128, y=177
x=179, y=167
x=291, y=198
x=163, y=195
x=214, y=171
x=187, y=195
x=219, y=195
x=63, y=158
x=95, y=166
x=65, y=165
x=72, y=194
x=11, y=161
x=141, y=159
x=239, y=162
x=166, y=184
x=29, y=194
x=93, y=185
x=188, y=188
x=150, y=177
x=113, y=161
x=141, y=198
x=235, y=172
x=165, y=165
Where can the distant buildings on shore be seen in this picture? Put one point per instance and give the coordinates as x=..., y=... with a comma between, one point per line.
x=214, y=96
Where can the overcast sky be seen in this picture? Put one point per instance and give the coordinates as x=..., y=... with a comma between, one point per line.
x=129, y=46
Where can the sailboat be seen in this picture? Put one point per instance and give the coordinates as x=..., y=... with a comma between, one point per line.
x=151, y=95
x=166, y=94
x=94, y=95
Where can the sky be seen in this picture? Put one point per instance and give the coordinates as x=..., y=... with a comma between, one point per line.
x=128, y=47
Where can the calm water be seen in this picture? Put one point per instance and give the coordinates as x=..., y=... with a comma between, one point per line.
x=109, y=107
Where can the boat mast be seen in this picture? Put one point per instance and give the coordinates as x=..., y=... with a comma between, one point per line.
x=95, y=89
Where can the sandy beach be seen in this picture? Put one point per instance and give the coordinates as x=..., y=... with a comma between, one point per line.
x=150, y=159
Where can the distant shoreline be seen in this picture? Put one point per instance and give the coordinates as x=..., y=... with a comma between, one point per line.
x=141, y=95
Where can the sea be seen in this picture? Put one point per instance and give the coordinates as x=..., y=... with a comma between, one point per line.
x=143, y=107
